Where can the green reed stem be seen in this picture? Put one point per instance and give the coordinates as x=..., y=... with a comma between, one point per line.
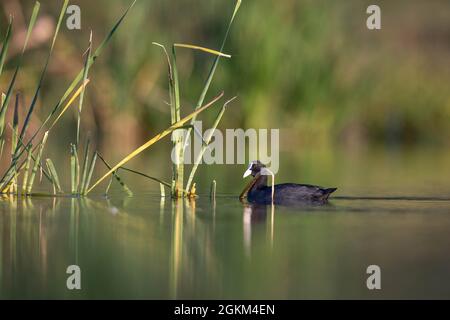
x=85, y=75
x=207, y=141
x=116, y=176
x=91, y=171
x=36, y=163
x=54, y=175
x=85, y=167
x=27, y=169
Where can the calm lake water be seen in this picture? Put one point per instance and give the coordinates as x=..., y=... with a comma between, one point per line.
x=143, y=247
x=395, y=215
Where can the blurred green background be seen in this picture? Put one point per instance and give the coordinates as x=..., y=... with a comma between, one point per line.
x=310, y=68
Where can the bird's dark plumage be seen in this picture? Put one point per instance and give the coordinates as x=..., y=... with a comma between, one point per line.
x=287, y=193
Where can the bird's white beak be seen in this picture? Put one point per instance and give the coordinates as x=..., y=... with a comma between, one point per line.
x=247, y=173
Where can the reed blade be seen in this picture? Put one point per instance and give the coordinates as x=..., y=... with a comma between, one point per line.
x=27, y=169
x=51, y=168
x=5, y=44
x=115, y=175
x=85, y=74
x=96, y=54
x=44, y=71
x=147, y=176
x=73, y=173
x=174, y=112
x=207, y=50
x=177, y=135
x=91, y=171
x=31, y=24
x=69, y=103
x=36, y=163
x=14, y=143
x=109, y=184
x=215, y=64
x=13, y=167
x=84, y=167
x=2, y=127
x=75, y=169
x=155, y=139
x=70, y=89
x=206, y=143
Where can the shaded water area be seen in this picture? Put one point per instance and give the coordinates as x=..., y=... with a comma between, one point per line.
x=391, y=210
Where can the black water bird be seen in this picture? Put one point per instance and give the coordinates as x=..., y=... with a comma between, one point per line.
x=257, y=191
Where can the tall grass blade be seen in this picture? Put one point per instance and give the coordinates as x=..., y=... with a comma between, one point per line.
x=44, y=71
x=177, y=135
x=30, y=147
x=215, y=64
x=79, y=77
x=207, y=141
x=19, y=154
x=91, y=171
x=73, y=171
x=5, y=44
x=69, y=103
x=15, y=127
x=14, y=142
x=207, y=50
x=36, y=163
x=109, y=184
x=27, y=169
x=173, y=88
x=2, y=127
x=2, y=118
x=84, y=167
x=147, y=176
x=155, y=139
x=54, y=175
x=85, y=74
x=14, y=170
x=171, y=83
x=19, y=63
x=116, y=176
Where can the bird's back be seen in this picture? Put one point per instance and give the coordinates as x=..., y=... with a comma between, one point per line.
x=287, y=193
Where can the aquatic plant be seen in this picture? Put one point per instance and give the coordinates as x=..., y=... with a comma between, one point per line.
x=23, y=156
x=26, y=160
x=179, y=138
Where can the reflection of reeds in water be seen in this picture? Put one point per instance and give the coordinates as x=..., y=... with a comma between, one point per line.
x=177, y=238
x=74, y=226
x=193, y=256
x=19, y=234
x=13, y=234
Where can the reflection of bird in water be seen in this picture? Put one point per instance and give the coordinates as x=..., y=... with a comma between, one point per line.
x=255, y=213
x=257, y=190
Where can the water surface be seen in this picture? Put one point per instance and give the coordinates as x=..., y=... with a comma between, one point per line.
x=147, y=248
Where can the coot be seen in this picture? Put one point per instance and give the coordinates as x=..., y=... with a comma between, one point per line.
x=257, y=191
